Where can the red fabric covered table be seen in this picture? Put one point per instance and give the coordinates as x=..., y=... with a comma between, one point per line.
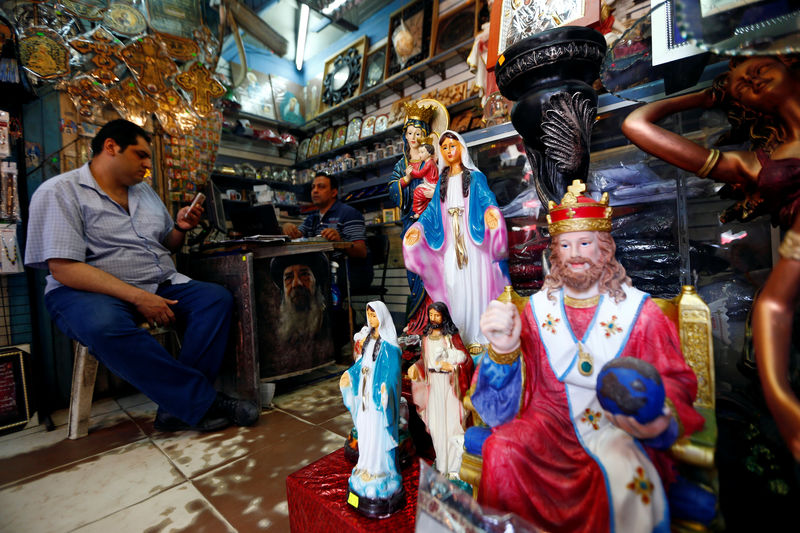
x=317, y=496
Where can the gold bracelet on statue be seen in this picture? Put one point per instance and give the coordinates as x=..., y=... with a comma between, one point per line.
x=710, y=163
x=790, y=247
x=503, y=358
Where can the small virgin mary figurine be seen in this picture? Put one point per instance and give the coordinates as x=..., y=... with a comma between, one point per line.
x=371, y=392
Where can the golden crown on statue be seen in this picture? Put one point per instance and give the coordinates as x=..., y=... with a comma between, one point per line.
x=414, y=111
x=578, y=212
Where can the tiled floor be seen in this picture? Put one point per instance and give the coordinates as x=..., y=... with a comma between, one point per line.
x=127, y=477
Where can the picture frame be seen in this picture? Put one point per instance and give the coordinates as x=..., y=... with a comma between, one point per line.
x=374, y=68
x=458, y=26
x=15, y=407
x=313, y=147
x=381, y=123
x=327, y=141
x=368, y=127
x=339, y=136
x=389, y=216
x=302, y=149
x=354, y=130
x=343, y=75
x=739, y=27
x=502, y=33
x=412, y=32
x=666, y=40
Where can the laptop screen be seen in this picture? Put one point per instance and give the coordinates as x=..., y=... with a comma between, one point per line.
x=256, y=220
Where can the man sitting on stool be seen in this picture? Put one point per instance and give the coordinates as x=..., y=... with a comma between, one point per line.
x=106, y=238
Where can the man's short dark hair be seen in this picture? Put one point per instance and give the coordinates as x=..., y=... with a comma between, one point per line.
x=123, y=132
x=331, y=179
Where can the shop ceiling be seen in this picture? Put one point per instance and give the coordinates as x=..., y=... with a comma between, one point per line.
x=323, y=30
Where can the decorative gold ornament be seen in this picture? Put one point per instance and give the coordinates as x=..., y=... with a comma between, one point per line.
x=105, y=49
x=711, y=162
x=585, y=303
x=578, y=212
x=585, y=361
x=415, y=111
x=150, y=63
x=201, y=85
x=504, y=358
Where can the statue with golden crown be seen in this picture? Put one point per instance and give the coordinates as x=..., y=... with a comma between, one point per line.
x=425, y=120
x=459, y=245
x=557, y=454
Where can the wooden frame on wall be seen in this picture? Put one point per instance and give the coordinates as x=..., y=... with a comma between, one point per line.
x=343, y=75
x=453, y=28
x=411, y=36
x=375, y=59
x=504, y=10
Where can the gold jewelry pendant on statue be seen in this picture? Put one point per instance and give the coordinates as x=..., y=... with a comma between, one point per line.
x=585, y=363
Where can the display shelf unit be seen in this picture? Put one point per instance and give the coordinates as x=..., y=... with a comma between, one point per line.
x=472, y=101
x=235, y=179
x=417, y=74
x=366, y=141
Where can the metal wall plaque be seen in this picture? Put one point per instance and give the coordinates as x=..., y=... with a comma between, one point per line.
x=175, y=17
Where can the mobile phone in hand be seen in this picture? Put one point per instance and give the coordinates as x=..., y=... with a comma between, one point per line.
x=198, y=199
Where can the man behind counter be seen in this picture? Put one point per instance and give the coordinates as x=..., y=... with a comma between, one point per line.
x=106, y=238
x=337, y=222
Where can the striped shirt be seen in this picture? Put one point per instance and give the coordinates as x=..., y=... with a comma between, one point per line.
x=71, y=217
x=349, y=222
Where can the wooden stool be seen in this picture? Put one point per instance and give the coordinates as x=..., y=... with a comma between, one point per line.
x=84, y=373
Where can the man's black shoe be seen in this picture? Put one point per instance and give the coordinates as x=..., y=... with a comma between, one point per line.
x=240, y=412
x=166, y=422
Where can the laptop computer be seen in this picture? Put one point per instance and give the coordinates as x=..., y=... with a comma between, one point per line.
x=258, y=223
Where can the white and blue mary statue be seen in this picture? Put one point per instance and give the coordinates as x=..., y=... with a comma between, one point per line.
x=371, y=392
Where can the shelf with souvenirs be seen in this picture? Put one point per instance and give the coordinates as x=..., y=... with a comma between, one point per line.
x=321, y=151
x=417, y=74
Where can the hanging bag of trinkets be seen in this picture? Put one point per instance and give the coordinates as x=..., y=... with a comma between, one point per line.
x=9, y=198
x=10, y=262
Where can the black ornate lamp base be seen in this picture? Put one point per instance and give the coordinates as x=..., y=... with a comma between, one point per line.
x=549, y=75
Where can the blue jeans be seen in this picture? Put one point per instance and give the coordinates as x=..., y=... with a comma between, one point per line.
x=109, y=327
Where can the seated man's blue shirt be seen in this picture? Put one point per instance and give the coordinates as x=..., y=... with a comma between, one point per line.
x=71, y=217
x=349, y=222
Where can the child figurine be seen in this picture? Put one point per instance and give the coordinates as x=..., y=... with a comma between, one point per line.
x=371, y=392
x=429, y=173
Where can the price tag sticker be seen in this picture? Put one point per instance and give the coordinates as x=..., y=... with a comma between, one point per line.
x=352, y=499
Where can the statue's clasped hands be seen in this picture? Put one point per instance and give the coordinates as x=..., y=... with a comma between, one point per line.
x=501, y=325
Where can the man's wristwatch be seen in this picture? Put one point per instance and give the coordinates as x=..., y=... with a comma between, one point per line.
x=177, y=227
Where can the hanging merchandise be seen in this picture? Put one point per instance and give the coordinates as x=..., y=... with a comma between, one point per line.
x=10, y=262
x=9, y=199
x=5, y=144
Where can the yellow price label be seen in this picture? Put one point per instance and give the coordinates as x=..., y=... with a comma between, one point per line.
x=352, y=499
x=244, y=258
x=501, y=60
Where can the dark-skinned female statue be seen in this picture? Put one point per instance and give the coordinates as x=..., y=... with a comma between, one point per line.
x=761, y=96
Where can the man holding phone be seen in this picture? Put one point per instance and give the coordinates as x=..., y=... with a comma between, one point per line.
x=106, y=238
